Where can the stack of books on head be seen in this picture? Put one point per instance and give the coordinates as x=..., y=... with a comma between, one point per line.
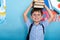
x=38, y=4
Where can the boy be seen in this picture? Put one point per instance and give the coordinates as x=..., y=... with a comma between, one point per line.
x=36, y=32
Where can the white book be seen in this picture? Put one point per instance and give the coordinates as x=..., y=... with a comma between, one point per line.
x=38, y=6
x=38, y=0
x=37, y=3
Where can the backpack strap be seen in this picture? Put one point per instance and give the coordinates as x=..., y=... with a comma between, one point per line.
x=28, y=35
x=43, y=28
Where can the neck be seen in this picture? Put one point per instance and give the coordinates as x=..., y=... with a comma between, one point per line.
x=36, y=23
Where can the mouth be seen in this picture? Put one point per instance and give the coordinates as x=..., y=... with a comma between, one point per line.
x=36, y=18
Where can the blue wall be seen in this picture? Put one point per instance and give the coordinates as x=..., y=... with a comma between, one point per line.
x=14, y=27
x=53, y=31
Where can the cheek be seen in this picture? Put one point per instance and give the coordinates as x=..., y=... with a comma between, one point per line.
x=33, y=16
x=40, y=17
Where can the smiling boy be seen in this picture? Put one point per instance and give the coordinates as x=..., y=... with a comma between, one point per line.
x=36, y=32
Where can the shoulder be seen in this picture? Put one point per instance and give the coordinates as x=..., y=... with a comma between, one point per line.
x=45, y=23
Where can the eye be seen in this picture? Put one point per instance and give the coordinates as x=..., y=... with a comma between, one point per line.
x=38, y=14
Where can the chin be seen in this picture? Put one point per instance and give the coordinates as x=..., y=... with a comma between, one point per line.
x=37, y=21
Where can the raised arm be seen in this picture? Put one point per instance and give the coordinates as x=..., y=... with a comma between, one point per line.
x=50, y=13
x=26, y=12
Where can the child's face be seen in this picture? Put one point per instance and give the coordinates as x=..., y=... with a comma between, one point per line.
x=36, y=16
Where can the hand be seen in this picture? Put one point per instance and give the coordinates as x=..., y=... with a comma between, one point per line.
x=31, y=5
x=44, y=5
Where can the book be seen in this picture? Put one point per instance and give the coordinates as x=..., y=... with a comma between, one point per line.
x=38, y=3
x=36, y=6
x=38, y=0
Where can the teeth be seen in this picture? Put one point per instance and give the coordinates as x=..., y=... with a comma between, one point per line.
x=36, y=18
